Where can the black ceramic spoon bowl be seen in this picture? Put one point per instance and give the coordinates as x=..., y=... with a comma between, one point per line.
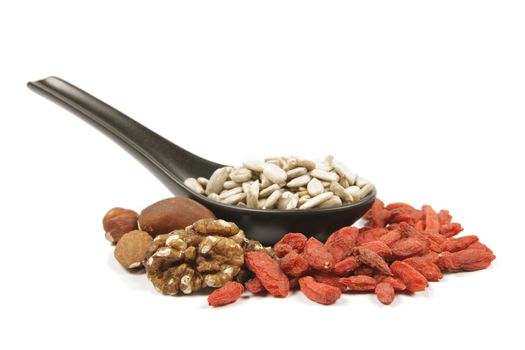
x=172, y=164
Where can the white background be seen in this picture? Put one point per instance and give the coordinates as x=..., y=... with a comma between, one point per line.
x=423, y=98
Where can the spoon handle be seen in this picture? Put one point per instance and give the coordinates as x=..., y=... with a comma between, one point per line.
x=166, y=160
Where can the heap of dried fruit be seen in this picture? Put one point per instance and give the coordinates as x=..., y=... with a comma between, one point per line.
x=400, y=249
x=284, y=183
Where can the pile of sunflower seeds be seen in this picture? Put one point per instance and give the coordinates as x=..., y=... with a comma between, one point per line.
x=284, y=183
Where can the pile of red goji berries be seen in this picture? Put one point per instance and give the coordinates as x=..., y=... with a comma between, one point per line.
x=399, y=250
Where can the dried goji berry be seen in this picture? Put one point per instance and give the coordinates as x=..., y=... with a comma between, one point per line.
x=420, y=225
x=319, y=292
x=360, y=283
x=345, y=266
x=430, y=257
x=377, y=214
x=465, y=260
x=456, y=244
x=254, y=286
x=317, y=256
x=450, y=229
x=364, y=270
x=367, y=234
x=408, y=247
x=385, y=293
x=295, y=240
x=399, y=205
x=479, y=245
x=427, y=268
x=227, y=294
x=444, y=217
x=431, y=219
x=282, y=249
x=329, y=278
x=391, y=237
x=341, y=242
x=372, y=259
x=394, y=282
x=294, y=264
x=268, y=272
x=414, y=280
x=378, y=247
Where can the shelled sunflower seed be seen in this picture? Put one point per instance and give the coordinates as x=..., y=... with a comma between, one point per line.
x=284, y=183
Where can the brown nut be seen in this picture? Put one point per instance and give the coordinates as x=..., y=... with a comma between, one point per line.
x=119, y=221
x=172, y=214
x=131, y=249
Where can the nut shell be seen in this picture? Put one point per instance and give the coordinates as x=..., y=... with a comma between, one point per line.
x=172, y=214
x=131, y=249
x=119, y=221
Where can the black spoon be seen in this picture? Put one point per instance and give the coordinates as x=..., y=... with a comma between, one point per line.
x=172, y=164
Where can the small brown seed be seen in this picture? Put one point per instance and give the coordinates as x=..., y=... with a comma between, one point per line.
x=131, y=249
x=119, y=221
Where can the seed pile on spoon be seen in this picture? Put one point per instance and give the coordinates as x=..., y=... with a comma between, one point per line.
x=284, y=183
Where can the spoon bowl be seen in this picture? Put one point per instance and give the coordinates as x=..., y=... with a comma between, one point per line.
x=172, y=164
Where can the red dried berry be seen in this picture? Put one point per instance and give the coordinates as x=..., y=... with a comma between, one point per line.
x=378, y=247
x=360, y=283
x=254, y=286
x=465, y=260
x=330, y=279
x=385, y=293
x=294, y=264
x=479, y=245
x=394, y=282
x=319, y=292
x=444, y=217
x=341, y=242
x=345, y=266
x=227, y=294
x=282, y=249
x=317, y=255
x=367, y=234
x=294, y=283
x=377, y=214
x=427, y=268
x=364, y=270
x=268, y=272
x=450, y=229
x=456, y=244
x=431, y=219
x=372, y=259
x=391, y=237
x=414, y=281
x=408, y=247
x=296, y=241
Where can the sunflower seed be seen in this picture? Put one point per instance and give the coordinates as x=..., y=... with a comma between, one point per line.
x=272, y=199
x=274, y=173
x=361, y=181
x=290, y=164
x=264, y=181
x=203, y=181
x=253, y=164
x=261, y=203
x=315, y=187
x=228, y=185
x=283, y=201
x=227, y=193
x=303, y=199
x=308, y=164
x=317, y=200
x=241, y=174
x=292, y=204
x=339, y=190
x=194, y=185
x=291, y=174
x=324, y=175
x=269, y=190
x=252, y=196
x=344, y=172
x=217, y=180
x=299, y=181
x=236, y=198
x=333, y=202
x=363, y=192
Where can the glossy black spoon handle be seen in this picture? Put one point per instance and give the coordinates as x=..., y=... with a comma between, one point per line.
x=169, y=162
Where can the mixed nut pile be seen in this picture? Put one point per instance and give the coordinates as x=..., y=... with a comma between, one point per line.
x=284, y=183
x=184, y=248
